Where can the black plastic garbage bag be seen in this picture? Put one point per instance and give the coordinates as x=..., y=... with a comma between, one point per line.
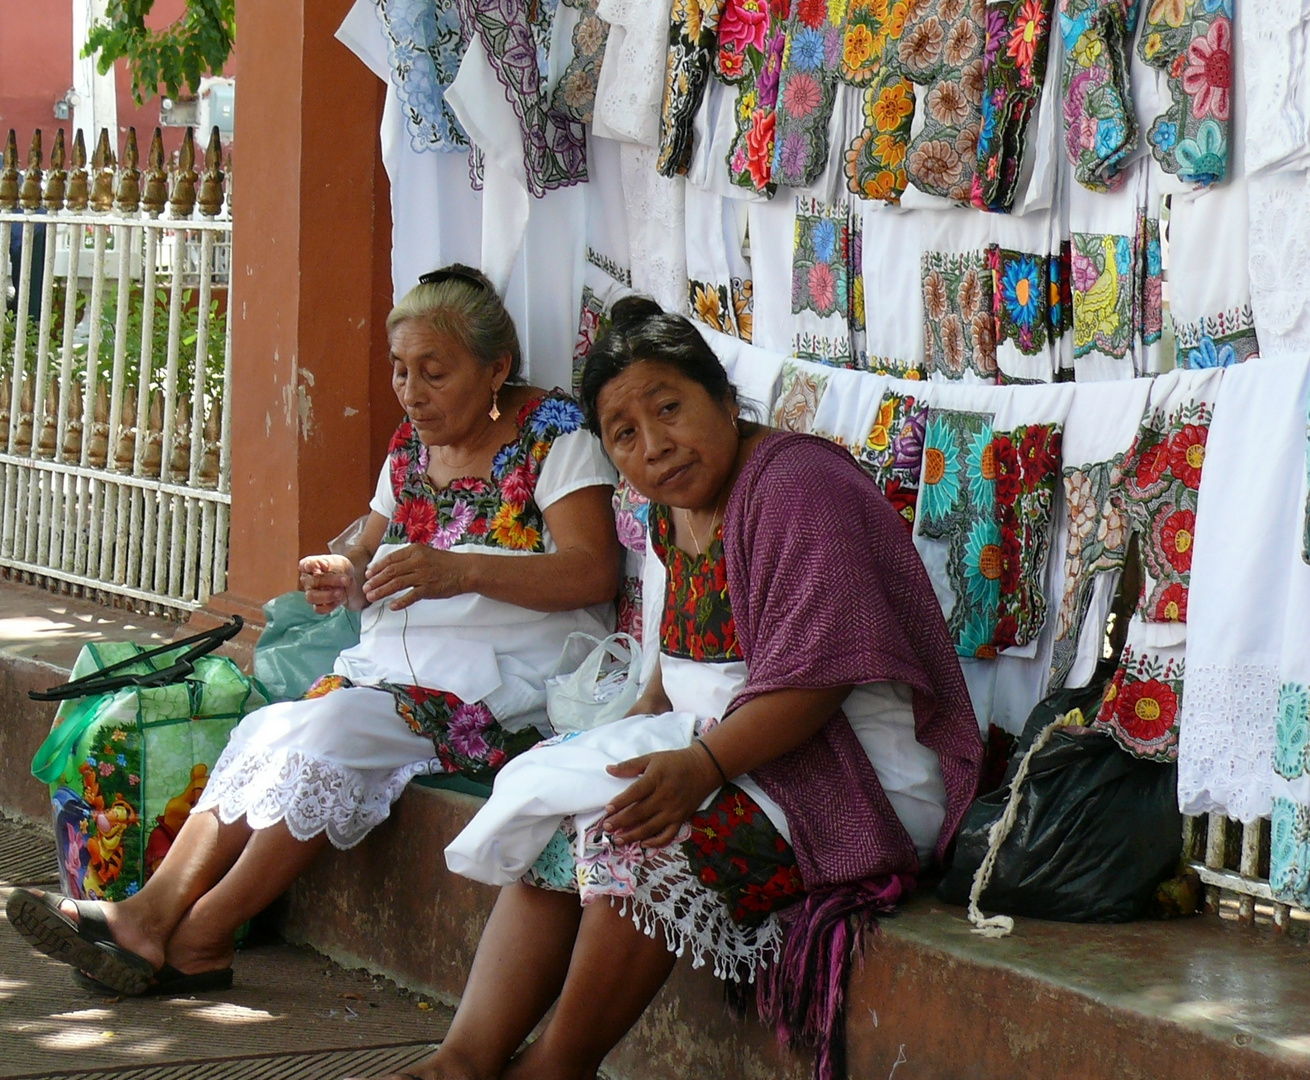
x=1097, y=829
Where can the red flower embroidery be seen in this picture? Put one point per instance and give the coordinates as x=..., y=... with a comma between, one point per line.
x=1187, y=454
x=418, y=517
x=708, y=839
x=1152, y=466
x=813, y=13
x=519, y=484
x=1172, y=604
x=759, y=147
x=400, y=439
x=1008, y=485
x=1146, y=710
x=1039, y=453
x=400, y=463
x=1176, y=539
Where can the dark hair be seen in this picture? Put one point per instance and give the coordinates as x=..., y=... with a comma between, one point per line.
x=641, y=330
x=461, y=303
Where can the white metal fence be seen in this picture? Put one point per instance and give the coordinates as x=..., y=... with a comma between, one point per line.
x=115, y=373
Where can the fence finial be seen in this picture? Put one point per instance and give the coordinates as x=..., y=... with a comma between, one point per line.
x=183, y=201
x=152, y=453
x=9, y=174
x=77, y=197
x=155, y=196
x=208, y=471
x=73, y=418
x=102, y=188
x=128, y=196
x=22, y=443
x=179, y=465
x=125, y=443
x=211, y=182
x=30, y=197
x=56, y=179
x=45, y=446
x=97, y=453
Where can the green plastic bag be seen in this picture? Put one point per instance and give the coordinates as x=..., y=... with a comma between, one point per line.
x=125, y=767
x=299, y=646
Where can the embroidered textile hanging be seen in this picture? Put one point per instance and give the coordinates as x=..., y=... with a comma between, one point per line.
x=425, y=44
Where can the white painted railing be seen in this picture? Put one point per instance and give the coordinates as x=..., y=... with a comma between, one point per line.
x=1232, y=861
x=115, y=375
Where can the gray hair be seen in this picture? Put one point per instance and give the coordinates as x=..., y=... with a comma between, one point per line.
x=462, y=304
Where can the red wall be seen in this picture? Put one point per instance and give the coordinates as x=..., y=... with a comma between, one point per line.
x=36, y=64
x=36, y=69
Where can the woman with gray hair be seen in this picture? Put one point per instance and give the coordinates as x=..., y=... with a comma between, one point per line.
x=490, y=539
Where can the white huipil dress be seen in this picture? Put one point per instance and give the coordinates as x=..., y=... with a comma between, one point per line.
x=539, y=824
x=339, y=761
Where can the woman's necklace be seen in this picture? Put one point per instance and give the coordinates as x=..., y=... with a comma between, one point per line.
x=714, y=523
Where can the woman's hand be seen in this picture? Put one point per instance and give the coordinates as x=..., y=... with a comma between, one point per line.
x=428, y=573
x=328, y=581
x=671, y=786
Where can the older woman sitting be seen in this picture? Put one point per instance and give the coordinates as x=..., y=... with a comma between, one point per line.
x=491, y=539
x=805, y=743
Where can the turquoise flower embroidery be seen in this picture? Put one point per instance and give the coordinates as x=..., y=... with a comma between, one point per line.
x=976, y=637
x=1204, y=159
x=980, y=468
x=1289, y=852
x=982, y=565
x=1020, y=291
x=555, y=864
x=941, y=470
x=1292, y=730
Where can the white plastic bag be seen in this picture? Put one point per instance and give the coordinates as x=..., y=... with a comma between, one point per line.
x=600, y=689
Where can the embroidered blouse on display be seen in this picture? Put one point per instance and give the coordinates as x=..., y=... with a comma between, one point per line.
x=425, y=43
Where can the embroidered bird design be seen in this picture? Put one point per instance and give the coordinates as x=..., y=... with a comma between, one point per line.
x=1096, y=311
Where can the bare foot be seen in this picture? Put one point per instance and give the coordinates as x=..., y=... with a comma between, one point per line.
x=128, y=933
x=193, y=947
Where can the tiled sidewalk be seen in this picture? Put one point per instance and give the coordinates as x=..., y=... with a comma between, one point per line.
x=291, y=1013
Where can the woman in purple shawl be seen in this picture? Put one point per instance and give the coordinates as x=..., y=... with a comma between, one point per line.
x=833, y=754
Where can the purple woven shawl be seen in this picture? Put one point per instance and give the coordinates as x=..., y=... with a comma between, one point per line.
x=828, y=590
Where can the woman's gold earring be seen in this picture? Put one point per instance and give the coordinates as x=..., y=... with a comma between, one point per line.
x=495, y=405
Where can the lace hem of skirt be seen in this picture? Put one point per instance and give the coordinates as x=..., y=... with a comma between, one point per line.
x=1226, y=740
x=311, y=794
x=695, y=920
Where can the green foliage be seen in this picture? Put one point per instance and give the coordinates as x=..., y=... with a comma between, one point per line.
x=199, y=43
x=188, y=335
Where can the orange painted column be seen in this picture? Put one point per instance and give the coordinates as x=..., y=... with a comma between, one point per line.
x=308, y=268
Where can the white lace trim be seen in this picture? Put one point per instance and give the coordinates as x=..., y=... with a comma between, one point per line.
x=1272, y=37
x=657, y=232
x=311, y=794
x=1279, y=257
x=694, y=919
x=1226, y=740
x=631, y=83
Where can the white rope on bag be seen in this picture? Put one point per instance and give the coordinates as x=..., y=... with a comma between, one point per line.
x=999, y=926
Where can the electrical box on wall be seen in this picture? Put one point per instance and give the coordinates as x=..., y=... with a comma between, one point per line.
x=217, y=107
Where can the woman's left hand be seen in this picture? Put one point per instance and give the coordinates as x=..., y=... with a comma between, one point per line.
x=428, y=573
x=671, y=786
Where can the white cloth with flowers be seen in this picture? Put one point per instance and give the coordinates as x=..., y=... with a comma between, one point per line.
x=336, y=763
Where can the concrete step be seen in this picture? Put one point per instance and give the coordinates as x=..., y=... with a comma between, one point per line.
x=1193, y=999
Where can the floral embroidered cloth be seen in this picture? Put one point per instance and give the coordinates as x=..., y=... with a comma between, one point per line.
x=515, y=36
x=425, y=43
x=575, y=93
x=1193, y=43
x=1014, y=70
x=941, y=50
x=801, y=389
x=752, y=36
x=692, y=33
x=959, y=328
x=697, y=622
x=1141, y=704
x=827, y=284
x=1100, y=124
x=467, y=737
x=893, y=452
